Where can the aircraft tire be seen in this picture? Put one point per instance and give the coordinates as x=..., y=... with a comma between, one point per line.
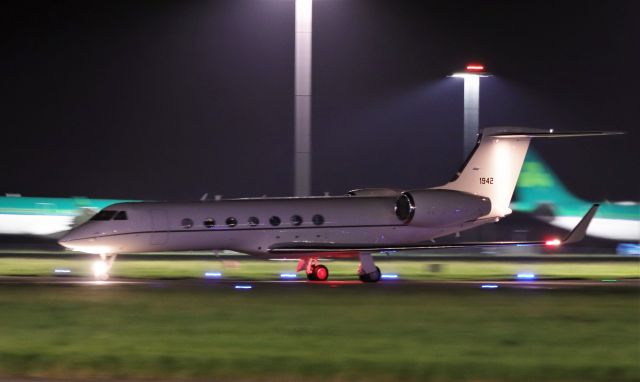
x=372, y=277
x=321, y=273
x=311, y=276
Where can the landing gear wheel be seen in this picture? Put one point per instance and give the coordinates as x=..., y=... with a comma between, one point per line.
x=102, y=267
x=321, y=273
x=372, y=277
x=318, y=273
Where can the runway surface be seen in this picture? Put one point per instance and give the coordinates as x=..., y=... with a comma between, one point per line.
x=269, y=284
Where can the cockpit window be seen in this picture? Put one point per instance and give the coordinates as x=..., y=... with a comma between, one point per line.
x=104, y=215
x=122, y=215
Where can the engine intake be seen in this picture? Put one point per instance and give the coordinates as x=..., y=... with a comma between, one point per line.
x=430, y=208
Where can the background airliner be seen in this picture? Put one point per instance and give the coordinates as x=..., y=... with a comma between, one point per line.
x=540, y=192
x=49, y=217
x=309, y=228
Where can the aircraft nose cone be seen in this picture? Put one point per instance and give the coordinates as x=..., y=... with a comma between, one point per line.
x=71, y=239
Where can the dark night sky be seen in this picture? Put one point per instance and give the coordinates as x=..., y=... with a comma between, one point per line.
x=168, y=100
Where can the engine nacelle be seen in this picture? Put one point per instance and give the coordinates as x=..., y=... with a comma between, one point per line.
x=440, y=208
x=375, y=192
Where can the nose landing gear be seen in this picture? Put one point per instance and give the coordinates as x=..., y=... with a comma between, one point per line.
x=102, y=267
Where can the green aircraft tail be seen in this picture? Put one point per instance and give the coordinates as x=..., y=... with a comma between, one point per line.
x=538, y=185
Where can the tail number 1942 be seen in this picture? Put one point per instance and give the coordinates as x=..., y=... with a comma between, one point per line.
x=486, y=180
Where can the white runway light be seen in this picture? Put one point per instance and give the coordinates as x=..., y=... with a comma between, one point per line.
x=243, y=287
x=61, y=271
x=390, y=277
x=288, y=276
x=212, y=275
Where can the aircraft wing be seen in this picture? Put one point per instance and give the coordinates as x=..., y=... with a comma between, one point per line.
x=577, y=234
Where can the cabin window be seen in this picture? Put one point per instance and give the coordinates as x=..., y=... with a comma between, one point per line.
x=122, y=215
x=186, y=223
x=209, y=223
x=253, y=221
x=274, y=221
x=318, y=219
x=232, y=222
x=103, y=215
x=296, y=219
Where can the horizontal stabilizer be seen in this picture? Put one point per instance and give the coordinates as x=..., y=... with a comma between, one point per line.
x=580, y=230
x=523, y=132
x=577, y=234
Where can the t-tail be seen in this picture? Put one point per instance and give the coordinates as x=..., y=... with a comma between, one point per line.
x=493, y=168
x=538, y=184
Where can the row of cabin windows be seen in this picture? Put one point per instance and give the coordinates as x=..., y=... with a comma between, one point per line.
x=253, y=221
x=105, y=215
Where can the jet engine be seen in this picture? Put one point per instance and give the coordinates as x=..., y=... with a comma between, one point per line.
x=438, y=208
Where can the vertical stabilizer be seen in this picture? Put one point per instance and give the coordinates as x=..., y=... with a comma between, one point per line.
x=493, y=167
x=538, y=184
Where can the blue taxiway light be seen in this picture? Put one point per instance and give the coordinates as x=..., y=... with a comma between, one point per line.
x=288, y=276
x=390, y=276
x=59, y=270
x=243, y=287
x=489, y=286
x=526, y=276
x=212, y=274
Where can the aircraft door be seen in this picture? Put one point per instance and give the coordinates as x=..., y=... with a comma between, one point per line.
x=159, y=226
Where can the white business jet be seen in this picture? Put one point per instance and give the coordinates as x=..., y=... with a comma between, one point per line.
x=309, y=228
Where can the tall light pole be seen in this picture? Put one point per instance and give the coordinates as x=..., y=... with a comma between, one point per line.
x=471, y=104
x=302, y=119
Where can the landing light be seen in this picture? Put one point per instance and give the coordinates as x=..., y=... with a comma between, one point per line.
x=553, y=243
x=100, y=269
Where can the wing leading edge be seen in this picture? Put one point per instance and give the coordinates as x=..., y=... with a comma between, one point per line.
x=577, y=234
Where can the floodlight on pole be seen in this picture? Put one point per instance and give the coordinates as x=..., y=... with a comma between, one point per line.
x=471, y=77
x=302, y=117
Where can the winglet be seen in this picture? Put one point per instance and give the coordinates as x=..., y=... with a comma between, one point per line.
x=580, y=230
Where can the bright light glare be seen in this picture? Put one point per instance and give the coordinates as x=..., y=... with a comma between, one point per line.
x=288, y=275
x=243, y=287
x=526, y=276
x=553, y=242
x=390, y=276
x=489, y=286
x=58, y=270
x=212, y=274
x=100, y=269
x=466, y=75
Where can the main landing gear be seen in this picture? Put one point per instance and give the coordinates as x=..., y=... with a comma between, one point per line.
x=367, y=271
x=102, y=267
x=315, y=271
